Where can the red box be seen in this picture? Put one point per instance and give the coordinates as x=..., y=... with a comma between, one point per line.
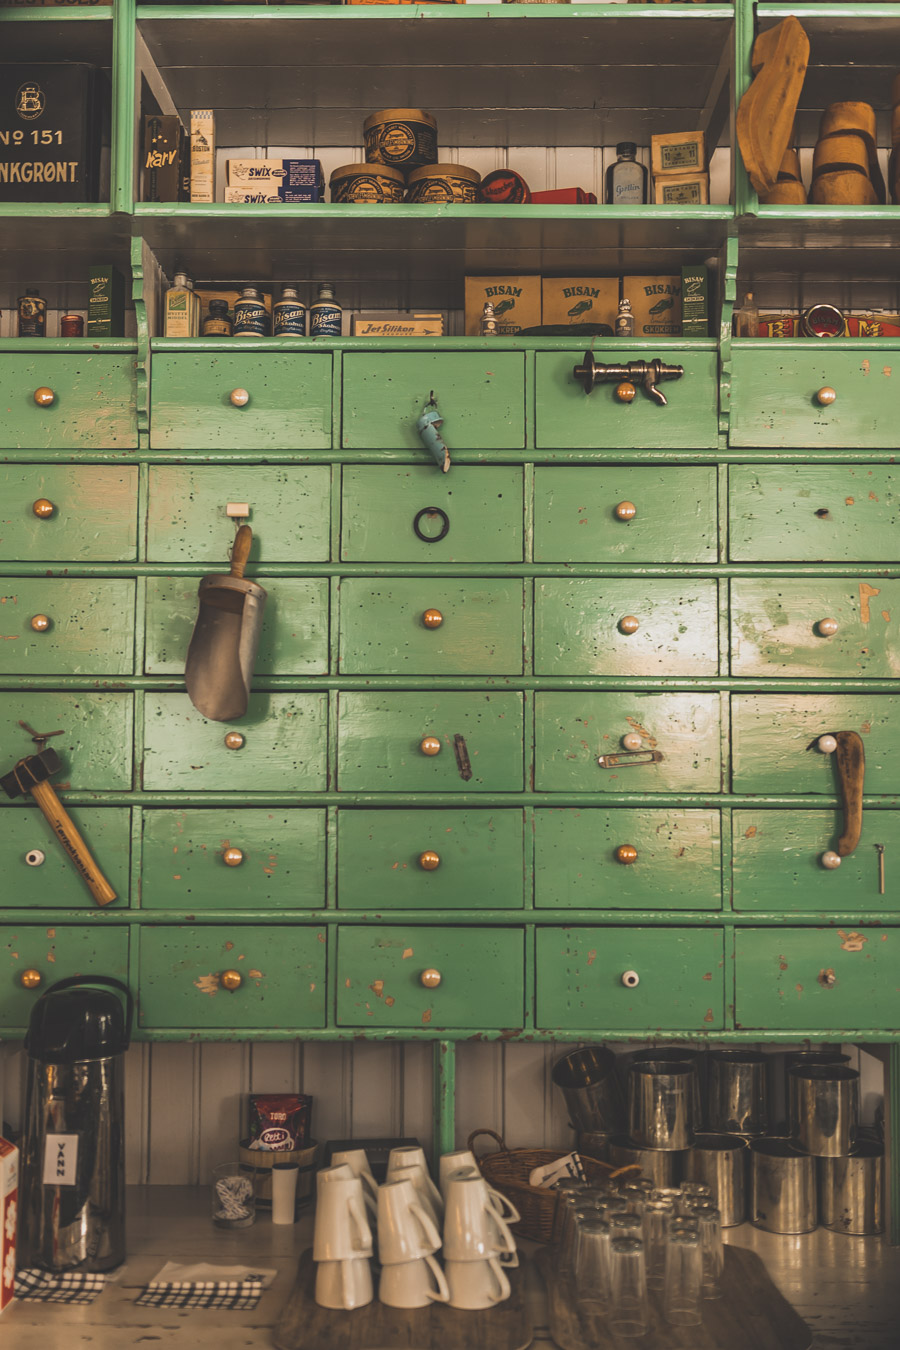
x=565, y=197
x=9, y=1208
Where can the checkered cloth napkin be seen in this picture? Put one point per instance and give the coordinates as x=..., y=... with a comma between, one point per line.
x=238, y=1295
x=46, y=1286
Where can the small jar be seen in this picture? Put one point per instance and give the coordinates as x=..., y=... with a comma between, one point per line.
x=71, y=325
x=443, y=183
x=367, y=183
x=405, y=138
x=216, y=323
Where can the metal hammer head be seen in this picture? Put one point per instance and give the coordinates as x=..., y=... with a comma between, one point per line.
x=30, y=771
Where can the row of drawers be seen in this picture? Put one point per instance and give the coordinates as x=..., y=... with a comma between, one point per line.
x=586, y=858
x=421, y=977
x=410, y=741
x=284, y=401
x=591, y=626
x=475, y=514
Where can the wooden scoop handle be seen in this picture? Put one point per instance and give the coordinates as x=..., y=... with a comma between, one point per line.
x=241, y=550
x=851, y=765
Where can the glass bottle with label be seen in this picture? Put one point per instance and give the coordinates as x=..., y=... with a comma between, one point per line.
x=250, y=316
x=289, y=314
x=624, y=320
x=326, y=315
x=626, y=180
x=746, y=318
x=32, y=314
x=217, y=323
x=179, y=308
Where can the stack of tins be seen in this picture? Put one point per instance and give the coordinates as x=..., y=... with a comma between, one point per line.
x=401, y=160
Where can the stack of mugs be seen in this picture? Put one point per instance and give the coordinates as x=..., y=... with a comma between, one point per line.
x=478, y=1243
x=342, y=1238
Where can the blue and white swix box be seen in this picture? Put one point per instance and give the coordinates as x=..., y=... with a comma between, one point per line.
x=275, y=180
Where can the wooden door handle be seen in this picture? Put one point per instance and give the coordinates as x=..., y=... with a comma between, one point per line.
x=63, y=826
x=851, y=765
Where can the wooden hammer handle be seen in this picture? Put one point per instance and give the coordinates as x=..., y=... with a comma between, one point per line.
x=241, y=550
x=851, y=766
x=63, y=827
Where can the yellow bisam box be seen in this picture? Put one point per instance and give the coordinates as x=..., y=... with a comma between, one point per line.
x=573, y=300
x=516, y=301
x=655, y=304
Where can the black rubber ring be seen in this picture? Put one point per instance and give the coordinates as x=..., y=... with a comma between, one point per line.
x=432, y=511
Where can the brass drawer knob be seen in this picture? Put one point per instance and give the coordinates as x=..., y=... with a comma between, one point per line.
x=827, y=978
x=231, y=980
x=429, y=860
x=40, y=623
x=631, y=979
x=30, y=979
x=827, y=745
x=626, y=853
x=827, y=627
x=233, y=857
x=629, y=624
x=430, y=745
x=43, y=397
x=831, y=860
x=35, y=857
x=234, y=740
x=432, y=618
x=43, y=508
x=626, y=511
x=430, y=979
x=826, y=396
x=625, y=392
x=632, y=740
x=239, y=398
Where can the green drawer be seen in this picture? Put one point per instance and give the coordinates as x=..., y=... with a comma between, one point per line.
x=90, y=629
x=381, y=507
x=567, y=418
x=481, y=397
x=817, y=979
x=678, y=863
x=383, y=631
x=94, y=516
x=572, y=730
x=95, y=748
x=380, y=970
x=774, y=388
x=289, y=407
x=294, y=639
x=806, y=513
x=774, y=740
x=777, y=862
x=681, y=985
x=575, y=514
x=276, y=860
x=380, y=735
x=289, y=514
x=93, y=404
x=476, y=859
x=283, y=746
x=579, y=628
x=54, y=883
x=282, y=973
x=774, y=627
x=55, y=953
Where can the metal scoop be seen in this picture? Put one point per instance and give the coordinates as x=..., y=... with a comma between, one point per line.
x=225, y=638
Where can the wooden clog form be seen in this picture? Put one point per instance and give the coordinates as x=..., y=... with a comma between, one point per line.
x=845, y=162
x=789, y=190
x=765, y=118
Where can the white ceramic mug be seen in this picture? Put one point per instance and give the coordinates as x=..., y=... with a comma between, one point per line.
x=428, y=1194
x=472, y=1227
x=357, y=1160
x=504, y=1207
x=412, y=1156
x=413, y=1284
x=344, y=1284
x=406, y=1231
x=476, y=1284
x=341, y=1229
x=329, y=1174
x=463, y=1160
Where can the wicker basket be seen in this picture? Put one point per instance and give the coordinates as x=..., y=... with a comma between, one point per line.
x=508, y=1172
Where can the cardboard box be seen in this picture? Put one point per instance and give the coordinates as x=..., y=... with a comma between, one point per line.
x=565, y=197
x=685, y=189
x=516, y=301
x=277, y=175
x=397, y=325
x=777, y=324
x=655, y=304
x=203, y=155
x=272, y=192
x=695, y=301
x=53, y=127
x=9, y=1206
x=106, y=302
x=161, y=158
x=579, y=300
x=678, y=152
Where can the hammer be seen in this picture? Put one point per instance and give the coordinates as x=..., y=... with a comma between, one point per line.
x=32, y=774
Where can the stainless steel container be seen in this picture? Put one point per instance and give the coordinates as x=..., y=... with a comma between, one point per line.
x=660, y=1165
x=661, y=1099
x=738, y=1092
x=851, y=1191
x=826, y=1106
x=782, y=1187
x=593, y=1095
x=799, y=1059
x=721, y=1161
x=676, y=1054
x=594, y=1145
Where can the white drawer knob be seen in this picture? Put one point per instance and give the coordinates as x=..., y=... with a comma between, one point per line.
x=827, y=745
x=34, y=857
x=631, y=979
x=632, y=741
x=831, y=860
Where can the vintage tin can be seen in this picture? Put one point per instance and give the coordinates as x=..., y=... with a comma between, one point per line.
x=71, y=325
x=32, y=314
x=326, y=316
x=250, y=317
x=405, y=138
x=443, y=183
x=289, y=314
x=367, y=183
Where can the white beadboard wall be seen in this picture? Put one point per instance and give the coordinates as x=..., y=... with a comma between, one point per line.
x=186, y=1102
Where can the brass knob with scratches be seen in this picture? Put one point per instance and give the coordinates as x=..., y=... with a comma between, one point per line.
x=628, y=624
x=234, y=740
x=626, y=511
x=40, y=623
x=429, y=860
x=826, y=396
x=231, y=980
x=44, y=397
x=626, y=853
x=430, y=979
x=827, y=978
x=625, y=392
x=827, y=627
x=432, y=618
x=239, y=398
x=43, y=508
x=30, y=979
x=430, y=745
x=233, y=857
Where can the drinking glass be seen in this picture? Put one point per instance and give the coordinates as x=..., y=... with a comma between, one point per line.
x=591, y=1264
x=711, y=1247
x=683, y=1280
x=629, y=1310
x=573, y=1216
x=626, y=1224
x=613, y=1204
x=657, y=1214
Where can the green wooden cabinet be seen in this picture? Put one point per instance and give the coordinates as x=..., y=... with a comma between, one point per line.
x=95, y=747
x=55, y=952
x=93, y=403
x=630, y=979
x=245, y=859
x=625, y=514
x=811, y=513
x=426, y=859
x=481, y=397
x=669, y=859
x=65, y=627
x=472, y=627
x=37, y=870
x=278, y=974
x=63, y=512
x=288, y=405
x=428, y=978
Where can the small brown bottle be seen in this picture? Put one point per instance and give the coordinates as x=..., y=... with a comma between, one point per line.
x=32, y=314
x=217, y=323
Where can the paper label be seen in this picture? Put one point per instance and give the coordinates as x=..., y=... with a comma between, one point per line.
x=60, y=1159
